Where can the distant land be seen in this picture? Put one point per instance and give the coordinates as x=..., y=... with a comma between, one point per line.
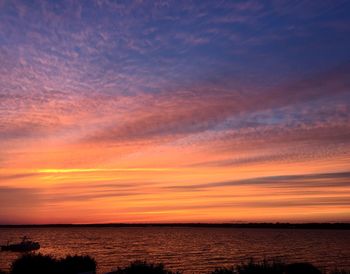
x=343, y=226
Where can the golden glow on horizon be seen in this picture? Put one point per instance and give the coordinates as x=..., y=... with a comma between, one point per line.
x=170, y=194
x=80, y=170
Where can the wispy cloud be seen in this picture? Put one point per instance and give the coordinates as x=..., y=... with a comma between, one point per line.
x=294, y=181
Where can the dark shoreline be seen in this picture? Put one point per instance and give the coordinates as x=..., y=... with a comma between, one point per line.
x=325, y=226
x=43, y=264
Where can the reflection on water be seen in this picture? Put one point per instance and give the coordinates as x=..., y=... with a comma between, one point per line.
x=191, y=250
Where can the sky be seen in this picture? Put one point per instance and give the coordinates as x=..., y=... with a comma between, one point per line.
x=174, y=111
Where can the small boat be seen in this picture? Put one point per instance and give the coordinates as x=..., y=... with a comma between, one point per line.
x=24, y=246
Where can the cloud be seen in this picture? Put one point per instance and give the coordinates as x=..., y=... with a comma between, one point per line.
x=84, y=197
x=277, y=204
x=8, y=177
x=53, y=80
x=18, y=203
x=178, y=113
x=313, y=87
x=247, y=160
x=333, y=180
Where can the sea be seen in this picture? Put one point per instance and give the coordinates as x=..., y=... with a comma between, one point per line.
x=186, y=249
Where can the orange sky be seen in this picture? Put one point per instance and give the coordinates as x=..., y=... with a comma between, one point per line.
x=182, y=114
x=57, y=182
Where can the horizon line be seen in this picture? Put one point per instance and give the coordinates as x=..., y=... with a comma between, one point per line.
x=195, y=224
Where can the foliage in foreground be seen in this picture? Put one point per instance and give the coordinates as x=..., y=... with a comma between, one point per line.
x=251, y=267
x=141, y=267
x=46, y=264
x=39, y=264
x=340, y=272
x=269, y=267
x=274, y=267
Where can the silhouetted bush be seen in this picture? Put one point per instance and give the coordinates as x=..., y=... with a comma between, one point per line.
x=46, y=264
x=301, y=268
x=77, y=264
x=251, y=267
x=35, y=263
x=139, y=267
x=264, y=267
x=337, y=271
x=270, y=267
x=224, y=270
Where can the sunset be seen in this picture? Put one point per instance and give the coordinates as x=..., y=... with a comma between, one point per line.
x=174, y=112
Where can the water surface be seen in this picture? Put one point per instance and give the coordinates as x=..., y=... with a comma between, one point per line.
x=192, y=250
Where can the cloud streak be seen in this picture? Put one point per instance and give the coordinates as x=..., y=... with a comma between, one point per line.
x=341, y=179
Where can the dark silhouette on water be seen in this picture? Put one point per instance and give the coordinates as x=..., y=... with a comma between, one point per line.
x=24, y=246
